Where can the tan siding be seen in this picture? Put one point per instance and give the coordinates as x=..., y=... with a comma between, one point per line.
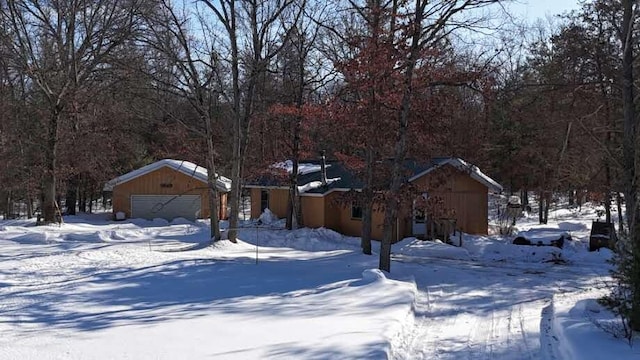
x=313, y=211
x=278, y=202
x=348, y=225
x=150, y=184
x=255, y=203
x=332, y=212
x=377, y=225
x=466, y=196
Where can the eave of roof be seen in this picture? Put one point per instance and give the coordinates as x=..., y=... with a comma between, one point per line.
x=199, y=173
x=460, y=164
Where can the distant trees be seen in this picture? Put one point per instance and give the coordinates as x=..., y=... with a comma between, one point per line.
x=62, y=52
x=569, y=117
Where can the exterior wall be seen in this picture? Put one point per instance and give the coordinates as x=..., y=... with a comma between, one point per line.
x=466, y=196
x=150, y=184
x=313, y=211
x=332, y=212
x=278, y=199
x=255, y=203
x=338, y=217
x=278, y=202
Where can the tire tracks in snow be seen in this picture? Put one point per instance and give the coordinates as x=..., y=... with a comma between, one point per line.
x=462, y=318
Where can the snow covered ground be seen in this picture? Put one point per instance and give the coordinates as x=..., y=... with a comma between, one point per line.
x=95, y=289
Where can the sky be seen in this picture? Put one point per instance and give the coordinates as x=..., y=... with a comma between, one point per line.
x=533, y=9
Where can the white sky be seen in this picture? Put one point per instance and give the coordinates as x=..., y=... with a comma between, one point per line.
x=533, y=9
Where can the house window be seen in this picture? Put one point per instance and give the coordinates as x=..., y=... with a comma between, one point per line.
x=418, y=216
x=356, y=212
x=264, y=200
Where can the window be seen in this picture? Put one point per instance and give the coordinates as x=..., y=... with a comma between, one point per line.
x=418, y=216
x=356, y=212
x=264, y=200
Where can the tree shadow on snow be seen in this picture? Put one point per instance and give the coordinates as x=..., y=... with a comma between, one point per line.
x=93, y=300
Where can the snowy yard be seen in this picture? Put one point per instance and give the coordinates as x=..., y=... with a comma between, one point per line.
x=93, y=289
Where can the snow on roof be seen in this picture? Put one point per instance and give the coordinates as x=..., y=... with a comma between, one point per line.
x=185, y=167
x=303, y=168
x=314, y=185
x=475, y=173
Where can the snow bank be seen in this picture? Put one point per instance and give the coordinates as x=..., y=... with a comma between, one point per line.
x=422, y=248
x=577, y=327
x=267, y=217
x=305, y=239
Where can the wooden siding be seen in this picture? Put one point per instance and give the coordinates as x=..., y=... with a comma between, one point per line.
x=154, y=183
x=255, y=202
x=277, y=202
x=332, y=212
x=313, y=211
x=467, y=197
x=461, y=193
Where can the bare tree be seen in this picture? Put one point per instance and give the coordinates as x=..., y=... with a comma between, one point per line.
x=256, y=24
x=427, y=24
x=62, y=47
x=192, y=63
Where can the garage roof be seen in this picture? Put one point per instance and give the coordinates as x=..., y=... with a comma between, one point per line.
x=188, y=168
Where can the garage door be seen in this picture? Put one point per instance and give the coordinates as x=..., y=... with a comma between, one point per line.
x=165, y=206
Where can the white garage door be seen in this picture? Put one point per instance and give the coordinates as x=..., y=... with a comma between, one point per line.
x=165, y=206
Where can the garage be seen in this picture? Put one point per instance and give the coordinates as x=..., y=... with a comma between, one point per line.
x=166, y=206
x=167, y=189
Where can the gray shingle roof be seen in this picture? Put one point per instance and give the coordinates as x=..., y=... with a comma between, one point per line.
x=346, y=179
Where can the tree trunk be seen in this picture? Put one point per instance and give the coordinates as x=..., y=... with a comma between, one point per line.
x=8, y=208
x=91, y=200
x=571, y=196
x=234, y=195
x=629, y=159
x=214, y=198
x=234, y=199
x=546, y=207
x=294, y=197
x=620, y=216
x=367, y=204
x=72, y=196
x=400, y=149
x=49, y=176
x=540, y=208
x=607, y=196
x=29, y=205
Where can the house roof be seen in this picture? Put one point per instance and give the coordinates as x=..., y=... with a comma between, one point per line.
x=341, y=178
x=188, y=168
x=462, y=165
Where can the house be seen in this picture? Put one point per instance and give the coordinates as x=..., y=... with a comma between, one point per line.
x=461, y=190
x=166, y=189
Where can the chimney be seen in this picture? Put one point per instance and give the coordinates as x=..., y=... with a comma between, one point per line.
x=323, y=168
